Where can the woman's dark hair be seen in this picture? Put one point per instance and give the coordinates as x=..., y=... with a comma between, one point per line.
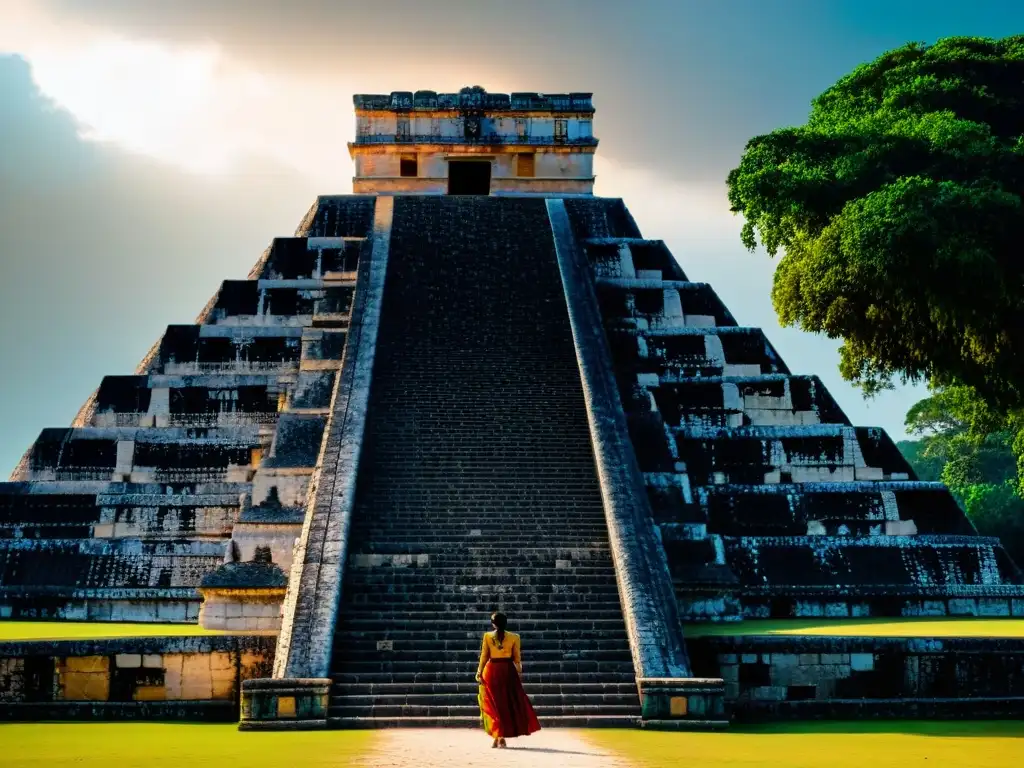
x=500, y=621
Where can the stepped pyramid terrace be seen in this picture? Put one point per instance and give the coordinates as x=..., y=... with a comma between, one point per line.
x=473, y=385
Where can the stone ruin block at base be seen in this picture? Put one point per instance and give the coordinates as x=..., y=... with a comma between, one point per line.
x=285, y=704
x=682, y=703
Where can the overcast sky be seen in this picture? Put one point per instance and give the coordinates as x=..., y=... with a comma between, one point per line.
x=149, y=149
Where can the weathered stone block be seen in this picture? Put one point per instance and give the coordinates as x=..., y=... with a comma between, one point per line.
x=993, y=607
x=837, y=610
x=730, y=673
x=768, y=693
x=221, y=661
x=284, y=703
x=835, y=658
x=784, y=660
x=86, y=686
x=862, y=662
x=150, y=693
x=196, y=677
x=87, y=664
x=963, y=606
x=808, y=608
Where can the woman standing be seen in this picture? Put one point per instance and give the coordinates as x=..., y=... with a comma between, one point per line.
x=504, y=708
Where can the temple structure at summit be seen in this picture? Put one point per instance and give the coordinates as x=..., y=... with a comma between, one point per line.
x=472, y=385
x=474, y=143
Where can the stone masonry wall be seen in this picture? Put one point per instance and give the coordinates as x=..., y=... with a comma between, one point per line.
x=138, y=678
x=782, y=677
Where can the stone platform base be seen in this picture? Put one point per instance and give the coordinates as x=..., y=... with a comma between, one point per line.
x=133, y=678
x=682, y=703
x=287, y=704
x=807, y=677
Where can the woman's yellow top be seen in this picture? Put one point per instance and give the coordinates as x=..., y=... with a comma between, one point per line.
x=509, y=649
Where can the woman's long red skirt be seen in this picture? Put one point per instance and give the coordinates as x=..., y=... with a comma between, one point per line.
x=505, y=710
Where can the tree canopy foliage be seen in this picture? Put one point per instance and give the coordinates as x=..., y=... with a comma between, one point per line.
x=898, y=207
x=968, y=446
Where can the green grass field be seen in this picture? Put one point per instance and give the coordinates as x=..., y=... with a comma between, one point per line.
x=168, y=745
x=900, y=744
x=797, y=745
x=72, y=630
x=909, y=627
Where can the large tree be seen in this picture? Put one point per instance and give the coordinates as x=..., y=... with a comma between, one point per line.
x=898, y=209
x=969, y=447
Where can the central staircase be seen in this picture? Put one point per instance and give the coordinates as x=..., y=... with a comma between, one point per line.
x=477, y=489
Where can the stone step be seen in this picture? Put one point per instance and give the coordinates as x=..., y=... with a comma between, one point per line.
x=347, y=678
x=584, y=638
x=457, y=620
x=443, y=533
x=348, y=711
x=388, y=628
x=412, y=507
x=489, y=467
x=587, y=650
x=470, y=549
x=426, y=583
x=467, y=666
x=607, y=600
x=488, y=595
x=470, y=687
x=557, y=721
x=451, y=527
x=451, y=508
x=469, y=698
x=556, y=489
x=443, y=633
x=461, y=560
x=399, y=581
x=362, y=594
x=551, y=525
x=474, y=573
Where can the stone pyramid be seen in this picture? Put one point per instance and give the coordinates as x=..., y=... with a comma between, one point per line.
x=422, y=408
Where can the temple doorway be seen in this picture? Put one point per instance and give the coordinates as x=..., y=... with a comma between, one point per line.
x=469, y=177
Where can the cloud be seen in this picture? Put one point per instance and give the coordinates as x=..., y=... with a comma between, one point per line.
x=102, y=248
x=678, y=84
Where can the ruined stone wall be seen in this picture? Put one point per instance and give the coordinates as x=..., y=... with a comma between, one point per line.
x=782, y=677
x=768, y=501
x=218, y=433
x=138, y=678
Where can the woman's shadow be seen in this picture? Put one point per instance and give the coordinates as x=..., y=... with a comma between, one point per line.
x=550, y=751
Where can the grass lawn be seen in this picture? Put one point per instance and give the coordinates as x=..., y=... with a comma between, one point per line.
x=900, y=744
x=93, y=630
x=896, y=627
x=169, y=745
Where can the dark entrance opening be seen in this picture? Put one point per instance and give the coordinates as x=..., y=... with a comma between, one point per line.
x=469, y=177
